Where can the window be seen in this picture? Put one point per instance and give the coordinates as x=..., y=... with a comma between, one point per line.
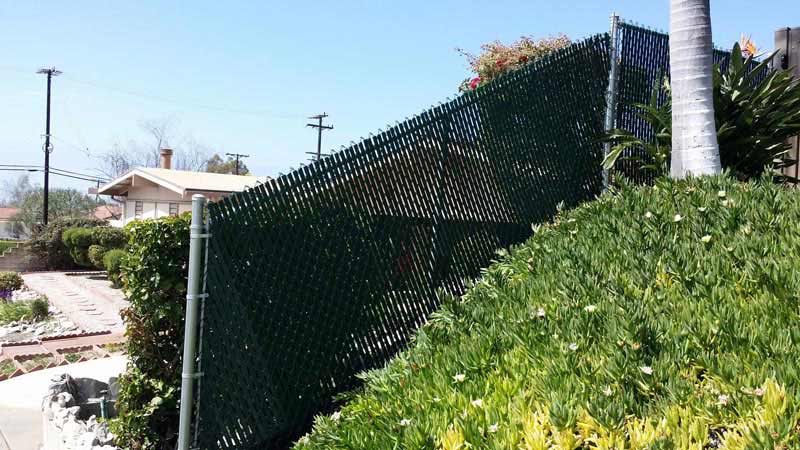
x=138, y=207
x=173, y=209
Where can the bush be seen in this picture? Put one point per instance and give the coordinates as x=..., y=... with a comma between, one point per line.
x=79, y=240
x=112, y=262
x=46, y=242
x=753, y=121
x=154, y=273
x=10, y=281
x=36, y=310
x=660, y=317
x=96, y=253
x=496, y=58
x=40, y=309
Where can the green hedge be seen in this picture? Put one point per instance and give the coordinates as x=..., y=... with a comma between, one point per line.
x=112, y=263
x=154, y=271
x=46, y=242
x=661, y=317
x=79, y=240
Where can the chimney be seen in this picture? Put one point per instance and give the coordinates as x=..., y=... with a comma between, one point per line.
x=166, y=159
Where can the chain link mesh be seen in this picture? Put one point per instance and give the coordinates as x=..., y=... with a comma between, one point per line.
x=327, y=271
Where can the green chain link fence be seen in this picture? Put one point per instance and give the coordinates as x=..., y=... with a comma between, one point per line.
x=327, y=271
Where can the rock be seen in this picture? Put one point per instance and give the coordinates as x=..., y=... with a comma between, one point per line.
x=65, y=400
x=87, y=439
x=72, y=431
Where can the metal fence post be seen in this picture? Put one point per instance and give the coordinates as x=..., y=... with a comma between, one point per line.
x=193, y=296
x=611, y=93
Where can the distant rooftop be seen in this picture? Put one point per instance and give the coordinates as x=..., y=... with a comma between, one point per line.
x=8, y=213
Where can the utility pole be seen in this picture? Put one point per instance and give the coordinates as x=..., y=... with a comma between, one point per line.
x=320, y=128
x=51, y=72
x=237, y=156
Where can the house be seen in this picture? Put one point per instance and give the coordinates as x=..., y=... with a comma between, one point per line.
x=10, y=228
x=148, y=193
x=111, y=213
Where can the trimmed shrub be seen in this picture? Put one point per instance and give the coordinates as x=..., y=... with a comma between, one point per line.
x=10, y=281
x=47, y=244
x=40, y=309
x=79, y=240
x=659, y=317
x=112, y=262
x=154, y=273
x=96, y=253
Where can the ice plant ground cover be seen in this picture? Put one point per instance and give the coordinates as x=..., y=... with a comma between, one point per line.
x=661, y=317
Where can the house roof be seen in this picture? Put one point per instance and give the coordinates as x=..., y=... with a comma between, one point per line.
x=8, y=213
x=108, y=212
x=182, y=181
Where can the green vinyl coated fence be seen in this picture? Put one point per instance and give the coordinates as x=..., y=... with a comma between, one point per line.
x=328, y=271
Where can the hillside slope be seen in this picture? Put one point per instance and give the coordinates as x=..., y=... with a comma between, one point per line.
x=662, y=317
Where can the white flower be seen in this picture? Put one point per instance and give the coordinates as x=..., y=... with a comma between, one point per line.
x=706, y=239
x=493, y=428
x=540, y=313
x=701, y=208
x=336, y=416
x=590, y=308
x=607, y=391
x=573, y=346
x=723, y=399
x=459, y=377
x=677, y=218
x=303, y=440
x=405, y=422
x=648, y=215
x=478, y=403
x=759, y=392
x=726, y=202
x=721, y=194
x=647, y=370
x=436, y=399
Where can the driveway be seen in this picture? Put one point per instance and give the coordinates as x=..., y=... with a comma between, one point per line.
x=88, y=300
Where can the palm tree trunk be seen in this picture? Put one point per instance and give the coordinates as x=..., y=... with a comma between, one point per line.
x=694, y=136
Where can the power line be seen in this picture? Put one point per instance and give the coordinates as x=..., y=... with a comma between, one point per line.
x=320, y=128
x=178, y=102
x=53, y=171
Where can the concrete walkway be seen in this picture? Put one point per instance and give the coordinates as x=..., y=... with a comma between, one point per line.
x=91, y=303
x=21, y=399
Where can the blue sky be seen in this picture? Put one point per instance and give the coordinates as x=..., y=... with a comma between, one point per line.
x=243, y=76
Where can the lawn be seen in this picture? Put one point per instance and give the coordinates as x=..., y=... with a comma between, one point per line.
x=7, y=367
x=5, y=245
x=659, y=317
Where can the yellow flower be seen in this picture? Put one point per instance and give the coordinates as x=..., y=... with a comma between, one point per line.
x=706, y=239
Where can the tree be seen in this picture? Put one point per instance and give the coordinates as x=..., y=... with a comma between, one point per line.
x=14, y=191
x=694, y=136
x=216, y=164
x=188, y=154
x=63, y=202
